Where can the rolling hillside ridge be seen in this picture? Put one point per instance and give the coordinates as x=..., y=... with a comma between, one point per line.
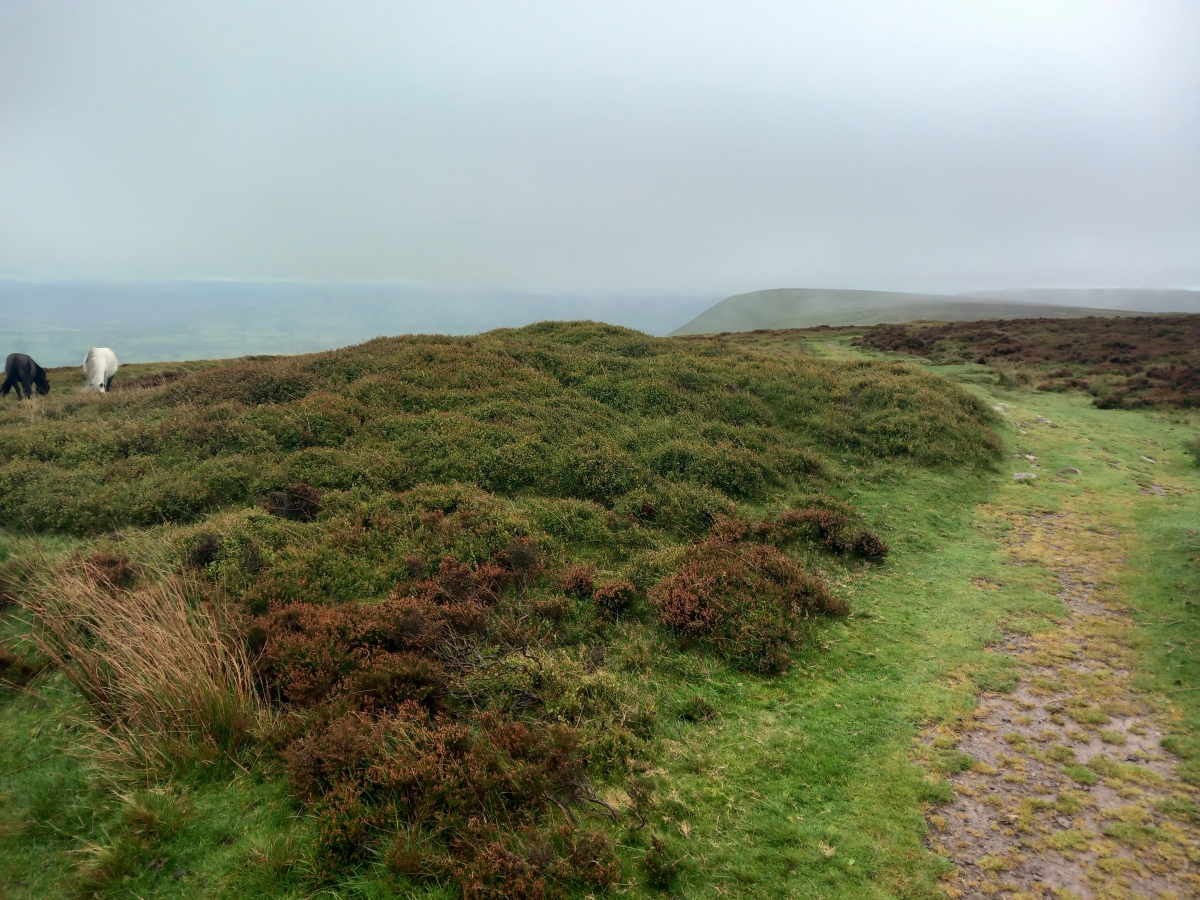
x=809, y=307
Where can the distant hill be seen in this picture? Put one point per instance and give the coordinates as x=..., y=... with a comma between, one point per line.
x=1147, y=300
x=807, y=307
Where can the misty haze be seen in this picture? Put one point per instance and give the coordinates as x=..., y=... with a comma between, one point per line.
x=542, y=451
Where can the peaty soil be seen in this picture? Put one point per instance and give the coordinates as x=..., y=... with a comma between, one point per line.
x=1067, y=792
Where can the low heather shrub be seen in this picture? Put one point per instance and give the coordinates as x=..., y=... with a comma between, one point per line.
x=748, y=602
x=613, y=598
x=299, y=501
x=312, y=653
x=417, y=565
x=661, y=863
x=826, y=526
x=114, y=571
x=404, y=737
x=830, y=528
x=448, y=779
x=868, y=545
x=578, y=581
x=521, y=558
x=203, y=550
x=1124, y=363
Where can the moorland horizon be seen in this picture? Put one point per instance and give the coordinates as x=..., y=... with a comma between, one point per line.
x=55, y=320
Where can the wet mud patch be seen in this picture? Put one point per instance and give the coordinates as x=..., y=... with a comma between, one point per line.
x=1061, y=787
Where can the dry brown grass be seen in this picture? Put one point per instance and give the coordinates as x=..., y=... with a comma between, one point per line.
x=161, y=665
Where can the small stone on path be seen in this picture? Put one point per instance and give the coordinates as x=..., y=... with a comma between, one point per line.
x=1024, y=476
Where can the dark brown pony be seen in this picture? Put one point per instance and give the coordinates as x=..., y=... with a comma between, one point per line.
x=24, y=373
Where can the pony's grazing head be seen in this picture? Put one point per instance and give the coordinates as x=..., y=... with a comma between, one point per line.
x=41, y=381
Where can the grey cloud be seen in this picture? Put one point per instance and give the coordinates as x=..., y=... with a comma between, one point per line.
x=690, y=146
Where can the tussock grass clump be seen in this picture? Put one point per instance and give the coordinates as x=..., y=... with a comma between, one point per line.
x=160, y=665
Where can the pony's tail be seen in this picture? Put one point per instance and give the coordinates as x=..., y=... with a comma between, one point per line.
x=8, y=383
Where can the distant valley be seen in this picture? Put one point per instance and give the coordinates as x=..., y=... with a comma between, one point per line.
x=57, y=321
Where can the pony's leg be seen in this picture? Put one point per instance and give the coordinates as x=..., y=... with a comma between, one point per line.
x=108, y=384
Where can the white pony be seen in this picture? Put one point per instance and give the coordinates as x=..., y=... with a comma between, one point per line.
x=99, y=367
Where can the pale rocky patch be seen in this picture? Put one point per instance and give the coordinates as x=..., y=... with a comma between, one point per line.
x=1062, y=788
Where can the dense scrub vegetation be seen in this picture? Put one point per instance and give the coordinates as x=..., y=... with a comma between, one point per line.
x=446, y=562
x=1124, y=362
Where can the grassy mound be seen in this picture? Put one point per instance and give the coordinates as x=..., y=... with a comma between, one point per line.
x=452, y=560
x=585, y=412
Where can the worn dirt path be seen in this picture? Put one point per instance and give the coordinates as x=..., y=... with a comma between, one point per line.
x=1071, y=794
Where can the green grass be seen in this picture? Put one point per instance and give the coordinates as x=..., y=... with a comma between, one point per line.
x=931, y=589
x=63, y=834
x=1155, y=506
x=805, y=784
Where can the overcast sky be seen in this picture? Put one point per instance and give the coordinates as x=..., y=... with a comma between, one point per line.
x=676, y=146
